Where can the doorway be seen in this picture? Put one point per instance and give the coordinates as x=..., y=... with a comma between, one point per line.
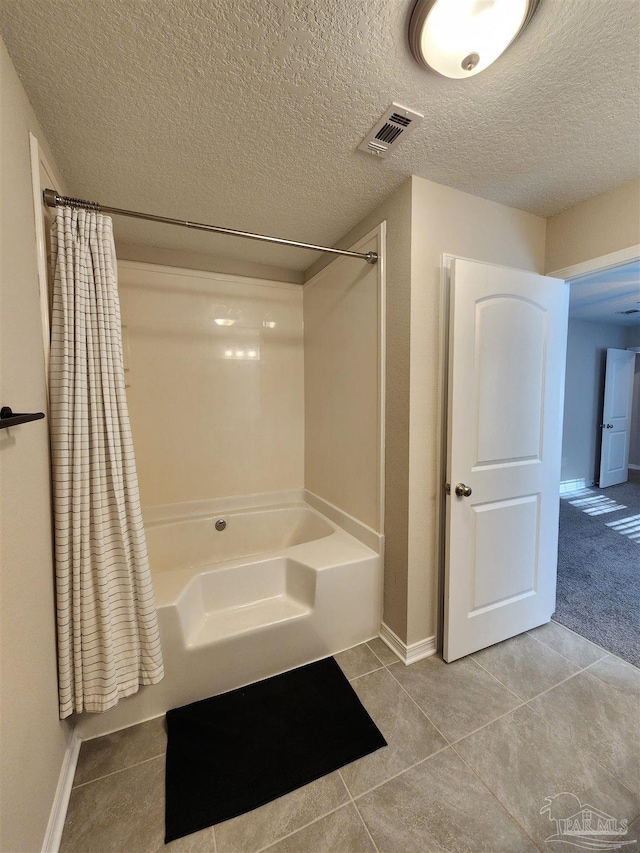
x=577, y=487
x=598, y=592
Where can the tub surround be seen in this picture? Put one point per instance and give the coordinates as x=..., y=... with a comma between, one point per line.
x=218, y=396
x=215, y=381
x=282, y=585
x=344, y=354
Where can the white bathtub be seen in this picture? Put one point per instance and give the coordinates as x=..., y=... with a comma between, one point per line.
x=280, y=586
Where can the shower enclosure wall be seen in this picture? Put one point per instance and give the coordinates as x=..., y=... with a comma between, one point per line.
x=256, y=410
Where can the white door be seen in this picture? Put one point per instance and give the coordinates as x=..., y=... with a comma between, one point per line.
x=616, y=417
x=507, y=352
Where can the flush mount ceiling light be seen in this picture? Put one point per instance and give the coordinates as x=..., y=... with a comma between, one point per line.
x=460, y=38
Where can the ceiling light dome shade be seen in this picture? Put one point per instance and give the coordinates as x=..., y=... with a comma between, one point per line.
x=460, y=38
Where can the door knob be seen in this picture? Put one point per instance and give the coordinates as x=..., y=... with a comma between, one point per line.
x=462, y=491
x=606, y=426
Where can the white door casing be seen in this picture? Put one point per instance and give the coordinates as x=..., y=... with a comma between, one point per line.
x=616, y=417
x=507, y=352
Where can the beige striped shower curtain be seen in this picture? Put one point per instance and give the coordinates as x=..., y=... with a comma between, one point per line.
x=108, y=641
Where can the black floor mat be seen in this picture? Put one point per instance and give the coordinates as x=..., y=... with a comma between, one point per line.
x=237, y=751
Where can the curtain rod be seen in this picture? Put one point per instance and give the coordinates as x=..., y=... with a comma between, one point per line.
x=52, y=199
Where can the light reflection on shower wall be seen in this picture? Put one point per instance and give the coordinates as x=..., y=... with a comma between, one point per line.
x=215, y=380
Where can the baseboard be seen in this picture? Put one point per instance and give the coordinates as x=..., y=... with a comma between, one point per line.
x=634, y=467
x=567, y=486
x=407, y=653
x=58, y=814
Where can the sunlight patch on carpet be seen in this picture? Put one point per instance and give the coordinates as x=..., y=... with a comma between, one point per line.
x=629, y=527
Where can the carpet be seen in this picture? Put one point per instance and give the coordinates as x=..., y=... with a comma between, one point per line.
x=599, y=567
x=232, y=753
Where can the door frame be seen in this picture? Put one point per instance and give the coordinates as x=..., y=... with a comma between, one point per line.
x=441, y=439
x=602, y=262
x=599, y=264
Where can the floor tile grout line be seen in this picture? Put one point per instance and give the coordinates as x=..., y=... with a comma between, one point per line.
x=575, y=634
x=375, y=846
x=542, y=692
x=586, y=749
x=586, y=669
x=120, y=770
x=490, y=723
x=366, y=828
x=362, y=675
x=215, y=843
x=582, y=748
x=304, y=826
x=572, y=662
x=373, y=653
x=400, y=772
x=613, y=775
x=607, y=653
x=495, y=677
x=564, y=681
x=521, y=703
x=497, y=799
x=396, y=659
x=419, y=707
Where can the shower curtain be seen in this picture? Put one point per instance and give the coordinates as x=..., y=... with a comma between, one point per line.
x=108, y=640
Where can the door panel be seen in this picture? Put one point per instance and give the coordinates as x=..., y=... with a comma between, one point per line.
x=616, y=417
x=510, y=573
x=508, y=332
x=512, y=385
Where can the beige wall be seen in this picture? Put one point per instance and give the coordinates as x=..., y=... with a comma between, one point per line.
x=445, y=220
x=587, y=344
x=342, y=385
x=206, y=263
x=396, y=212
x=425, y=220
x=33, y=740
x=207, y=424
x=599, y=226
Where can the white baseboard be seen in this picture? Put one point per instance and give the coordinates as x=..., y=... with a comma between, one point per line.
x=572, y=486
x=58, y=814
x=634, y=467
x=407, y=653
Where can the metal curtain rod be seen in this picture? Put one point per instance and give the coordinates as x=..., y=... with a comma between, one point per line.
x=52, y=199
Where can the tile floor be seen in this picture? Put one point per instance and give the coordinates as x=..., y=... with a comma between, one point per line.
x=475, y=748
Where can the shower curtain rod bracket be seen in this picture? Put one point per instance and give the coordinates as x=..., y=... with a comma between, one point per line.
x=52, y=199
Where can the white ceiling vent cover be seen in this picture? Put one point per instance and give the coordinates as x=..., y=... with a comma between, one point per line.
x=394, y=126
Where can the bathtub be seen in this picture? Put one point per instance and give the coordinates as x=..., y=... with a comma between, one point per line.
x=249, y=591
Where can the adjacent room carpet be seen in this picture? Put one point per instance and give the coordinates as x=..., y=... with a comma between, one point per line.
x=232, y=753
x=599, y=567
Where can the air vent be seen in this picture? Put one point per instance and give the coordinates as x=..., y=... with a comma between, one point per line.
x=629, y=311
x=396, y=124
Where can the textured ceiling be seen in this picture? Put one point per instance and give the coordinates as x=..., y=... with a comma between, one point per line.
x=602, y=295
x=248, y=113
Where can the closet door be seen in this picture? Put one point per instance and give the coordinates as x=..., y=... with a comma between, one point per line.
x=616, y=417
